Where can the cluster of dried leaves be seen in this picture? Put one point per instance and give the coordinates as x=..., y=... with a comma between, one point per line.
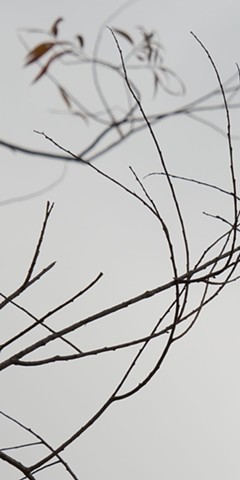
x=147, y=53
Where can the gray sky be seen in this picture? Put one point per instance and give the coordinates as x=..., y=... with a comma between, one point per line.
x=185, y=424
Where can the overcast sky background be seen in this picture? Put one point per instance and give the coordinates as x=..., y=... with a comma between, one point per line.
x=185, y=424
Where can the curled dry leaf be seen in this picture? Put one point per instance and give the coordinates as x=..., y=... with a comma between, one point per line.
x=124, y=34
x=54, y=27
x=81, y=40
x=38, y=52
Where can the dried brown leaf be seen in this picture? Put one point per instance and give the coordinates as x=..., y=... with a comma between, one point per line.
x=124, y=34
x=38, y=52
x=54, y=27
x=81, y=40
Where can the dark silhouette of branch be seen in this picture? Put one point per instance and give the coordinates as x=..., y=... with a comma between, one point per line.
x=40, y=441
x=47, y=315
x=18, y=465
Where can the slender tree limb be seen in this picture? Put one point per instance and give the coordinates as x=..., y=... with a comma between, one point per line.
x=18, y=465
